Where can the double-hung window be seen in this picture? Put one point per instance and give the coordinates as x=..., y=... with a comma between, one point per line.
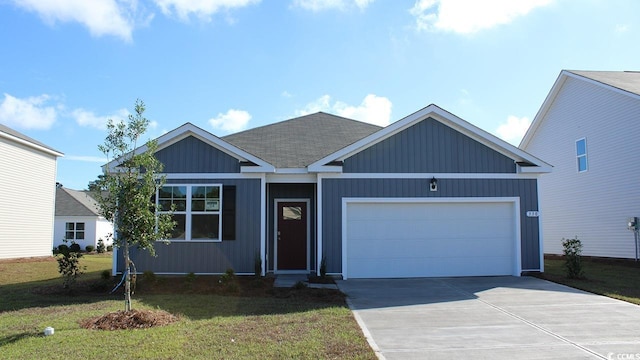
x=74, y=231
x=581, y=154
x=196, y=211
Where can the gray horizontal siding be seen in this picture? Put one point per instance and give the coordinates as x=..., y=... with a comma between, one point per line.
x=212, y=257
x=333, y=190
x=192, y=155
x=429, y=147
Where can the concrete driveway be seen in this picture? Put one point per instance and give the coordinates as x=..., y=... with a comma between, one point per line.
x=491, y=318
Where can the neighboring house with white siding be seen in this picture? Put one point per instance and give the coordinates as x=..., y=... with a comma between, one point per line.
x=78, y=219
x=588, y=128
x=27, y=180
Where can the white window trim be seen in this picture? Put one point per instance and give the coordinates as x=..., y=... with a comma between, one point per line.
x=585, y=155
x=75, y=230
x=188, y=213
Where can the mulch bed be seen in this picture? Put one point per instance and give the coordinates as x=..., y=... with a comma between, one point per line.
x=133, y=319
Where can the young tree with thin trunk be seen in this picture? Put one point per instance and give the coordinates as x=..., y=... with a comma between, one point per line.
x=124, y=193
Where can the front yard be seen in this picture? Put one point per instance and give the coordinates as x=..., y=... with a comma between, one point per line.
x=236, y=323
x=619, y=279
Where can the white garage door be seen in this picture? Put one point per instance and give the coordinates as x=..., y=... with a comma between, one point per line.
x=429, y=239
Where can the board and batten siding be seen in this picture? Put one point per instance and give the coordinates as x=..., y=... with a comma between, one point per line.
x=183, y=257
x=429, y=147
x=593, y=205
x=27, y=180
x=333, y=190
x=192, y=155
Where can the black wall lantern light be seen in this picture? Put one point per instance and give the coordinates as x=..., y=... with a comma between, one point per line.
x=433, y=184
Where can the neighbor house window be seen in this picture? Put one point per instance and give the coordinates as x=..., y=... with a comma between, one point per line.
x=581, y=154
x=74, y=231
x=197, y=211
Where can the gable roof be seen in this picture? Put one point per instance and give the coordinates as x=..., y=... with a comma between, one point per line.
x=300, y=141
x=23, y=139
x=623, y=82
x=530, y=163
x=189, y=129
x=75, y=203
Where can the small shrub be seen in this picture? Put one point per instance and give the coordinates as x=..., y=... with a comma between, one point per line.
x=299, y=285
x=257, y=265
x=572, y=260
x=323, y=267
x=55, y=251
x=74, y=247
x=109, y=248
x=63, y=248
x=105, y=275
x=191, y=278
x=228, y=276
x=101, y=248
x=150, y=277
x=69, y=265
x=89, y=248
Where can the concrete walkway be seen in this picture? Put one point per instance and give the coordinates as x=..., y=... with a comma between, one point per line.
x=491, y=318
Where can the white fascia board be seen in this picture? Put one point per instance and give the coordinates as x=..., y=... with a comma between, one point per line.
x=553, y=93
x=546, y=104
x=31, y=145
x=189, y=129
x=444, y=117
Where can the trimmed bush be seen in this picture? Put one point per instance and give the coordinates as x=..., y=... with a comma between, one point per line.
x=109, y=247
x=89, y=248
x=63, y=248
x=74, y=247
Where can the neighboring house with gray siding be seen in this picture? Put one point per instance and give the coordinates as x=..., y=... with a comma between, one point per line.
x=27, y=180
x=588, y=128
x=428, y=195
x=77, y=219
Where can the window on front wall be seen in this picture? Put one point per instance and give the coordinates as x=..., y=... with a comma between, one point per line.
x=74, y=231
x=581, y=154
x=198, y=211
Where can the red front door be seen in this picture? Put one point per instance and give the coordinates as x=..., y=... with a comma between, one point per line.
x=291, y=235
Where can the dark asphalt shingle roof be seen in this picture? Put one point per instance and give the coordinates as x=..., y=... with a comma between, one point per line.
x=301, y=141
x=75, y=203
x=623, y=80
x=7, y=130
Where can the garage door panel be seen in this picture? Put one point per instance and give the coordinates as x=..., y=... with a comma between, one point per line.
x=430, y=239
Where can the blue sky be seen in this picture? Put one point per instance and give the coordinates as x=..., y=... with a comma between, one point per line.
x=228, y=65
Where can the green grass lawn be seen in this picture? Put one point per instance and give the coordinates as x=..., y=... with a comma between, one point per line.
x=618, y=279
x=305, y=323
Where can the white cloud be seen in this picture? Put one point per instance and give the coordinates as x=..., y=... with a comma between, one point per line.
x=470, y=16
x=101, y=17
x=201, y=8
x=87, y=118
x=622, y=28
x=28, y=113
x=319, y=5
x=514, y=129
x=373, y=109
x=232, y=121
x=286, y=94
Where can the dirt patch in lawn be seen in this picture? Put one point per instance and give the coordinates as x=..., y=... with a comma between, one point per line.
x=28, y=260
x=133, y=319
